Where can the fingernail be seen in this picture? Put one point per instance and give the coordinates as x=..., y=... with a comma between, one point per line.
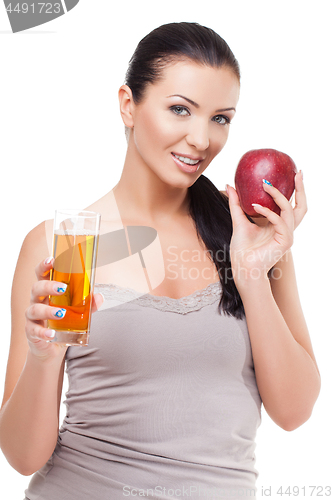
x=50, y=334
x=226, y=188
x=60, y=289
x=48, y=261
x=256, y=205
x=60, y=313
x=267, y=182
x=301, y=171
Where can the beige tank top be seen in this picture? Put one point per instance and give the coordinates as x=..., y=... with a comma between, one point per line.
x=162, y=403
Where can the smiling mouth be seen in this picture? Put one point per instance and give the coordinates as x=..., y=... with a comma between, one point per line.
x=187, y=164
x=186, y=160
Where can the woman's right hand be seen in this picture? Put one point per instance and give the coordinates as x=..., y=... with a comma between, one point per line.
x=39, y=311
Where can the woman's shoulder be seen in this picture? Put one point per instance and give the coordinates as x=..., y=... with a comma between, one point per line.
x=42, y=231
x=225, y=193
x=38, y=241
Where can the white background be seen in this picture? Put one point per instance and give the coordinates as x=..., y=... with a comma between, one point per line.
x=63, y=145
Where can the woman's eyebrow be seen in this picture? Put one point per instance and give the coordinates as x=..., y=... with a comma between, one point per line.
x=196, y=105
x=186, y=99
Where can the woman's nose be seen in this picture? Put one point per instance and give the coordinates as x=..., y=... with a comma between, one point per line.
x=198, y=136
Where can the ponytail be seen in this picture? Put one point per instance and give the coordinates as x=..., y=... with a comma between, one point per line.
x=210, y=211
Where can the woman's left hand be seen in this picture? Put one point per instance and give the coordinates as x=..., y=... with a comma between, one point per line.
x=256, y=248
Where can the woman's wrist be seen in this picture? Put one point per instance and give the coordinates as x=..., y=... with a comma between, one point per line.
x=252, y=282
x=45, y=362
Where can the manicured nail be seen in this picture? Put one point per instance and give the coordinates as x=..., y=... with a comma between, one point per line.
x=267, y=182
x=256, y=205
x=226, y=188
x=60, y=289
x=301, y=171
x=48, y=261
x=50, y=334
x=60, y=313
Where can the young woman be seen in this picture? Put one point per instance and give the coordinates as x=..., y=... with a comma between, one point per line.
x=165, y=400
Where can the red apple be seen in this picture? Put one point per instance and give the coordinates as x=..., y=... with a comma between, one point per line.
x=256, y=165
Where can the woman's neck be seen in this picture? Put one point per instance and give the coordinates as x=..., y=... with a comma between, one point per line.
x=142, y=194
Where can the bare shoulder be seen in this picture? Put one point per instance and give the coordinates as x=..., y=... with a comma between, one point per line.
x=35, y=248
x=39, y=239
x=225, y=193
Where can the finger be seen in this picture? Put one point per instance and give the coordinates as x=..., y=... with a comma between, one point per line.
x=39, y=312
x=36, y=333
x=42, y=289
x=97, y=301
x=237, y=214
x=282, y=202
x=301, y=206
x=43, y=269
x=283, y=234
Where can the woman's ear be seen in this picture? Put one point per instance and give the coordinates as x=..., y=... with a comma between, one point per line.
x=126, y=105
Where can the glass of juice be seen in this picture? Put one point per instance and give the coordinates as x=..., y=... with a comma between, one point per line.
x=75, y=244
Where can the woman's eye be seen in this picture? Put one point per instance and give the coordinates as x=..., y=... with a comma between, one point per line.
x=180, y=110
x=223, y=120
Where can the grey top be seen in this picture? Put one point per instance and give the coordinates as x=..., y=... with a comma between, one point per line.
x=162, y=403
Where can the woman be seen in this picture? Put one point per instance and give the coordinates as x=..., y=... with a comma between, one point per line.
x=165, y=401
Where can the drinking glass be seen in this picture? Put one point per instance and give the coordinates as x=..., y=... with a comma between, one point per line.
x=75, y=244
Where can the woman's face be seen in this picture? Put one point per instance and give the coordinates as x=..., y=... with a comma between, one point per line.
x=183, y=121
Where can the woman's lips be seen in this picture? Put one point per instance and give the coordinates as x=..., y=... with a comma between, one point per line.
x=187, y=167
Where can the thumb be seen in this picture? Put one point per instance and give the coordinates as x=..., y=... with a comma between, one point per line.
x=97, y=301
x=237, y=214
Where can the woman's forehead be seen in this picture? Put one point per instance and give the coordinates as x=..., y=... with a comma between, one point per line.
x=196, y=81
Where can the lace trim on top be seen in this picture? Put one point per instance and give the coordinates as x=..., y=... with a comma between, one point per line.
x=183, y=305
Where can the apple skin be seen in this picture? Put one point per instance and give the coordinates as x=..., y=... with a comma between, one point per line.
x=256, y=165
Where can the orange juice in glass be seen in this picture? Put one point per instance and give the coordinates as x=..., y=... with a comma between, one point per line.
x=75, y=243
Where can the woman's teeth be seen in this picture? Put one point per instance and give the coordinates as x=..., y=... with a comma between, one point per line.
x=187, y=160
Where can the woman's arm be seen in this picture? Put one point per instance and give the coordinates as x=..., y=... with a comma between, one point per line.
x=29, y=420
x=286, y=371
x=29, y=416
x=285, y=293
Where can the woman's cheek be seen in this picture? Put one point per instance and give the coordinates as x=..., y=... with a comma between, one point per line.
x=220, y=142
